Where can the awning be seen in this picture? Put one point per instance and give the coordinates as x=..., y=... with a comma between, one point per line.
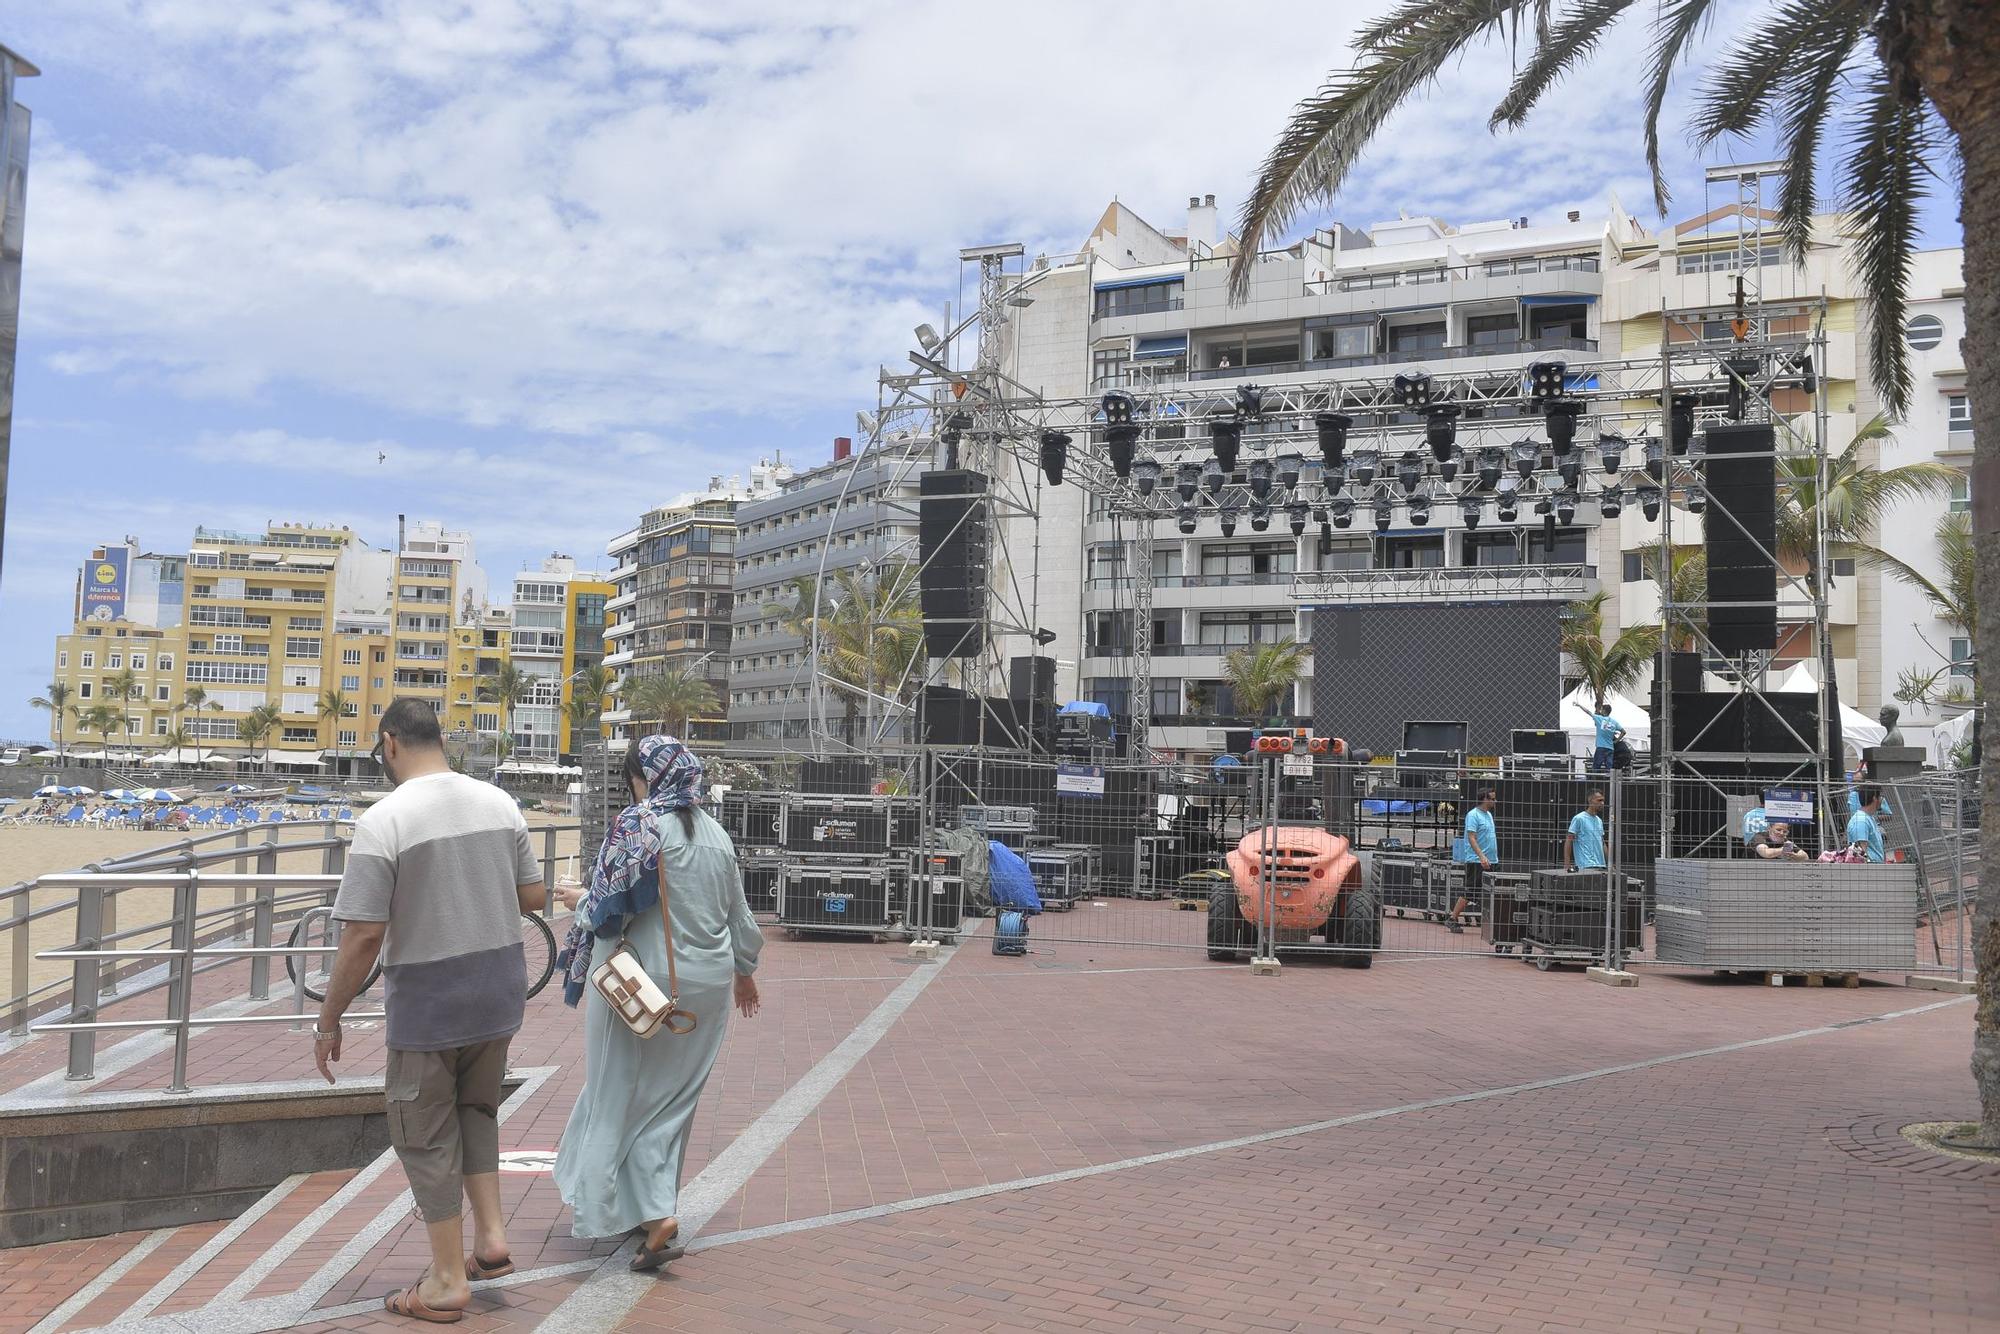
x=1138, y=282
x=1575, y=299
x=298, y=759
x=87, y=755
x=1161, y=347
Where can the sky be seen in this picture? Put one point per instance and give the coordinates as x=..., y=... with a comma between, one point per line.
x=530, y=267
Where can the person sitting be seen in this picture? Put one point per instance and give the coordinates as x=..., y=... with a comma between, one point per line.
x=1775, y=844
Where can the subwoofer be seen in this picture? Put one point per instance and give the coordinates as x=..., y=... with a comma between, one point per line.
x=1741, y=537
x=953, y=540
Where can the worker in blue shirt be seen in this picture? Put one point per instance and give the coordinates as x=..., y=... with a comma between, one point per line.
x=1609, y=729
x=1854, y=795
x=1863, y=829
x=1479, y=850
x=1583, y=845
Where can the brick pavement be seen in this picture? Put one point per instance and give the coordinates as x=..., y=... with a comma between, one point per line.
x=1536, y=1209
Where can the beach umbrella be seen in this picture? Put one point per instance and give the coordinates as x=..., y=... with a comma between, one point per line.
x=52, y=790
x=79, y=791
x=236, y=787
x=155, y=794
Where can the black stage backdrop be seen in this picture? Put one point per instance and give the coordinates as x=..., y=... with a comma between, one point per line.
x=1497, y=666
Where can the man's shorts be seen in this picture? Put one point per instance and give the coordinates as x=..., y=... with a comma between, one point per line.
x=444, y=1120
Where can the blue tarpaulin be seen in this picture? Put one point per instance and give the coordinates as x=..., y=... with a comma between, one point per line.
x=1013, y=883
x=1089, y=707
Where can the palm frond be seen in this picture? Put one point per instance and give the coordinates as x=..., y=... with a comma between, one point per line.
x=1801, y=120
x=1554, y=53
x=1885, y=172
x=1678, y=22
x=1774, y=57
x=1328, y=131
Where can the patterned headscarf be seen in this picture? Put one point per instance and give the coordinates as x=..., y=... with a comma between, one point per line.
x=626, y=880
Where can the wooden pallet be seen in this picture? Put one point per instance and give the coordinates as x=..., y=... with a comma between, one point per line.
x=1848, y=980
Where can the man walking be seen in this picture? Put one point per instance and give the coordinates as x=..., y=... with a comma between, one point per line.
x=1479, y=849
x=1864, y=827
x=440, y=872
x=1583, y=845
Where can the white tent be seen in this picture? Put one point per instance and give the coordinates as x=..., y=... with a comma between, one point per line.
x=1576, y=720
x=1857, y=730
x=1950, y=734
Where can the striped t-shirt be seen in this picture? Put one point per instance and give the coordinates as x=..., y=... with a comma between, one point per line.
x=438, y=859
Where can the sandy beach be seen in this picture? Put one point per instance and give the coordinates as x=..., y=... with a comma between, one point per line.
x=28, y=851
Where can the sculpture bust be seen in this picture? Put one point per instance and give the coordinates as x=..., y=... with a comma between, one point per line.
x=1888, y=717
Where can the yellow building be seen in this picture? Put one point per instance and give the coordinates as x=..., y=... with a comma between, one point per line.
x=583, y=643
x=90, y=663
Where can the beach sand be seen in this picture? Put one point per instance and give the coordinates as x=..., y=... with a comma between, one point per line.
x=28, y=851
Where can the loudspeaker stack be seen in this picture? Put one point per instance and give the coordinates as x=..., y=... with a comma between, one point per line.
x=952, y=537
x=1742, y=533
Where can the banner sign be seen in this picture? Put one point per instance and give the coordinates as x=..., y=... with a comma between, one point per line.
x=1080, y=780
x=1788, y=803
x=104, y=585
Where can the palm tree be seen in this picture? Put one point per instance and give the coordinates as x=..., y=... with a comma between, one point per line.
x=1606, y=668
x=1915, y=83
x=333, y=705
x=101, y=719
x=1954, y=597
x=669, y=699
x=1261, y=676
x=178, y=740
x=870, y=631
x=55, y=700
x=1857, y=495
x=508, y=687
x=254, y=729
x=1687, y=586
x=588, y=688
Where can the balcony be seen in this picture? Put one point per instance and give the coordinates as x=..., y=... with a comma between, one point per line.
x=277, y=595
x=1401, y=357
x=1447, y=583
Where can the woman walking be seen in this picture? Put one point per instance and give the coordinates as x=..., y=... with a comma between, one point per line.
x=619, y=1166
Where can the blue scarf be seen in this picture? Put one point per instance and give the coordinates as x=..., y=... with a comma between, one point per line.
x=626, y=879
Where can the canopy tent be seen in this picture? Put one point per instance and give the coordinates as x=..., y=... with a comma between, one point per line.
x=1950, y=734
x=1857, y=730
x=1576, y=714
x=89, y=756
x=300, y=759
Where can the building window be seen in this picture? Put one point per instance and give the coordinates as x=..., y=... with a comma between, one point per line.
x=160, y=726
x=350, y=657
x=297, y=646
x=1247, y=559
x=138, y=662
x=1961, y=494
x=1924, y=332
x=380, y=656
x=1409, y=553
x=83, y=688
x=1235, y=628
x=162, y=692
x=1139, y=299
x=1346, y=340
x=1501, y=548
x=350, y=683
x=378, y=686
x=1489, y=330
x=1958, y=412
x=1961, y=657
x=376, y=711
x=164, y=662
x=1416, y=337
x=62, y=660
x=348, y=739
x=114, y=662
x=1635, y=567
x=89, y=658
x=1108, y=366
x=1553, y=322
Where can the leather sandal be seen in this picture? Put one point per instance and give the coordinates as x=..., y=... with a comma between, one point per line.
x=477, y=1269
x=409, y=1303
x=661, y=1245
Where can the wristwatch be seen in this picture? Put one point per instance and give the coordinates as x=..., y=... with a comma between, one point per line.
x=325, y=1037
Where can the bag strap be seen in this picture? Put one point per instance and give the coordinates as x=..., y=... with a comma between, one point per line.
x=673, y=974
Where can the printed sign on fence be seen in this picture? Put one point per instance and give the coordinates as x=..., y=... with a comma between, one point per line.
x=1080, y=780
x=1788, y=803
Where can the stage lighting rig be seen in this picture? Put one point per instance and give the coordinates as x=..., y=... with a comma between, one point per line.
x=1333, y=478
x=1385, y=513
x=1250, y=400
x=1469, y=508
x=1559, y=416
x=1441, y=429
x=1055, y=456
x=1341, y=510
x=1260, y=478
x=1526, y=455
x=1611, y=502
x=1611, y=452
x=955, y=426
x=1290, y=465
x=1545, y=380
x=1420, y=509
x=1260, y=516
x=1187, y=479
x=1184, y=519
x=1226, y=516
x=1365, y=464
x=1565, y=507
x=1225, y=436
x=1146, y=476
x=1413, y=391
x=1649, y=502
x=1333, y=428
x=1213, y=477
x=1492, y=462
x=1697, y=499
x=1121, y=432
x=1409, y=471
x=1507, y=500
x=1656, y=460
x=1569, y=468
x=1295, y=518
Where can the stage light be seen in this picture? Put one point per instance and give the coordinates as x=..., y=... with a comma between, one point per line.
x=1441, y=429
x=1492, y=461
x=1409, y=471
x=1507, y=501
x=1364, y=466
x=1289, y=468
x=1333, y=478
x=1226, y=516
x=1384, y=515
x=1649, y=502
x=1610, y=503
x=1117, y=406
x=1526, y=455
x=1697, y=499
x=1184, y=519
x=1187, y=478
x=1295, y=518
x=1055, y=456
x=1739, y=370
x=1420, y=510
x=1146, y=475
x=1250, y=400
x=1611, y=452
x=1332, y=428
x=1260, y=516
x=1469, y=508
x=1565, y=508
x=1680, y=422
x=1656, y=460
x=1121, y=443
x=1260, y=478
x=1545, y=380
x=1559, y=416
x=1225, y=436
x=1341, y=511
x=1384, y=505
x=955, y=425
x=1569, y=469
x=927, y=338
x=1213, y=477
x=1413, y=391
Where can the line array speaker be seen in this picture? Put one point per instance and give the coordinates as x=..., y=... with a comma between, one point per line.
x=953, y=540
x=1742, y=486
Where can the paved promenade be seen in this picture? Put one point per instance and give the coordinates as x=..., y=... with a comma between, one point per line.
x=1134, y=1139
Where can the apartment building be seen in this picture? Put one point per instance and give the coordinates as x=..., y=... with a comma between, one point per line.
x=856, y=511
x=558, y=630
x=1140, y=306
x=672, y=602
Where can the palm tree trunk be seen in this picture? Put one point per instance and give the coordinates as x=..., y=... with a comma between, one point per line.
x=1955, y=50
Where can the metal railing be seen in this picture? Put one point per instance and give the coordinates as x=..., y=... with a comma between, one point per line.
x=1485, y=582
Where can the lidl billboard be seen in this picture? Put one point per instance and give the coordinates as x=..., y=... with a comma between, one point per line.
x=104, y=585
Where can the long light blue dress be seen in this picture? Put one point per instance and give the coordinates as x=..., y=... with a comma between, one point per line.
x=619, y=1165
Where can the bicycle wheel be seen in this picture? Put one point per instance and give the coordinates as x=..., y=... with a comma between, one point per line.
x=538, y=943
x=316, y=929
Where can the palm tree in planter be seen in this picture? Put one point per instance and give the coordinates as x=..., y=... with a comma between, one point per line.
x=55, y=702
x=1261, y=676
x=1916, y=80
x=670, y=698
